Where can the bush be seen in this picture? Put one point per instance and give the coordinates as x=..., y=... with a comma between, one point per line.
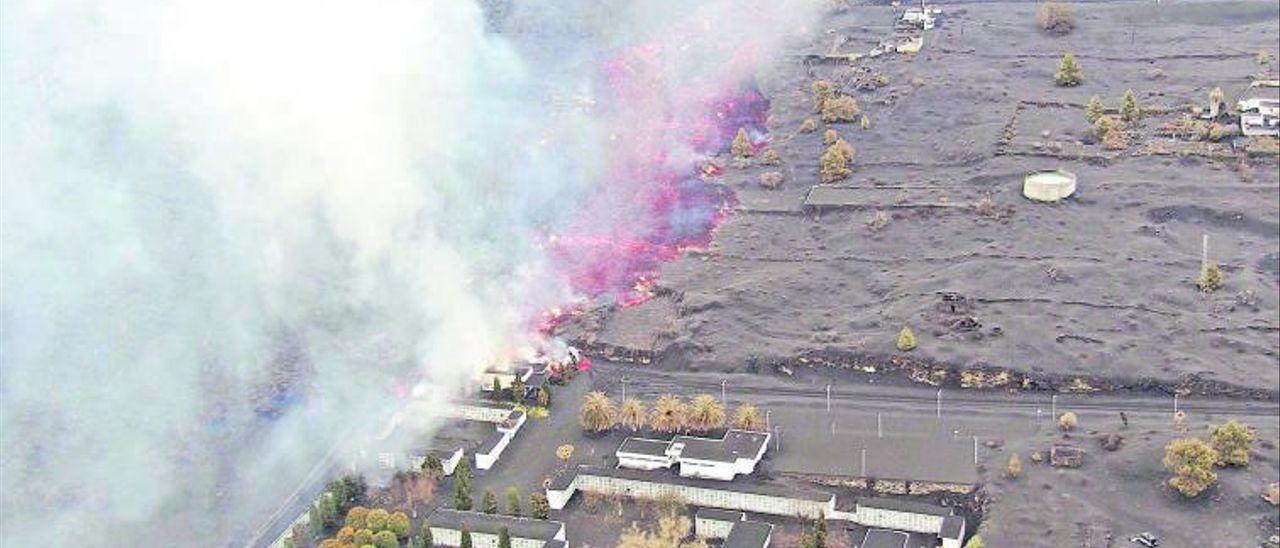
x=809, y=125
x=399, y=524
x=822, y=91
x=770, y=157
x=830, y=136
x=385, y=539
x=1272, y=494
x=538, y=506
x=376, y=520
x=1068, y=421
x=1014, y=468
x=840, y=109
x=1191, y=461
x=771, y=180
x=513, y=501
x=489, y=502
x=906, y=340
x=833, y=165
x=598, y=412
x=356, y=517
x=362, y=537
x=1232, y=440
x=1116, y=138
x=879, y=220
x=1056, y=18
x=1069, y=72
x=1211, y=278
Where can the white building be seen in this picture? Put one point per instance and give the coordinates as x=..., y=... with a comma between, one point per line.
x=447, y=527
x=488, y=453
x=505, y=377
x=1260, y=113
x=738, y=452
x=924, y=18
x=743, y=496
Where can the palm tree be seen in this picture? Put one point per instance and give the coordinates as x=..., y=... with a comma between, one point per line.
x=632, y=414
x=598, y=412
x=705, y=413
x=747, y=417
x=668, y=414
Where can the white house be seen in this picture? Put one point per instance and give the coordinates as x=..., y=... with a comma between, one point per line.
x=489, y=451
x=738, y=452
x=447, y=528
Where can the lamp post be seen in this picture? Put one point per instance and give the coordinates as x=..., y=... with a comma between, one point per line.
x=828, y=398
x=939, y=404
x=723, y=401
x=624, y=388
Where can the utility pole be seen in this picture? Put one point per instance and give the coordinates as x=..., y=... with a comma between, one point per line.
x=939, y=404
x=975, y=450
x=1175, y=403
x=1204, y=251
x=767, y=424
x=828, y=398
x=723, y=401
x=624, y=389
x=1054, y=402
x=879, y=426
x=777, y=438
x=864, y=462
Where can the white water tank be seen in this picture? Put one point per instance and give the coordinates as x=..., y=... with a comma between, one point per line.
x=1049, y=185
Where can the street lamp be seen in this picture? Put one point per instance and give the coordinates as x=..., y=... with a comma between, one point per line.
x=624, y=389
x=723, y=401
x=828, y=398
x=939, y=403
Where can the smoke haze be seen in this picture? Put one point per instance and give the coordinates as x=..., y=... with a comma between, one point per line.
x=237, y=234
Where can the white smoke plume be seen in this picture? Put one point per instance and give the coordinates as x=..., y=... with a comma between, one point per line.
x=235, y=233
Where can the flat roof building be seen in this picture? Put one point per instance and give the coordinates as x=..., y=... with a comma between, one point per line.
x=737, y=452
x=447, y=526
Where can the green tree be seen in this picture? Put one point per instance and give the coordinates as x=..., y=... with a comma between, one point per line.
x=1232, y=441
x=489, y=503
x=544, y=397
x=376, y=520
x=356, y=517
x=517, y=390
x=315, y=518
x=906, y=339
x=538, y=506
x=1094, y=110
x=399, y=524
x=1211, y=277
x=362, y=537
x=513, y=501
x=462, y=494
x=1191, y=460
x=466, y=537
x=424, y=536
x=741, y=146
x=463, y=471
x=819, y=537
x=432, y=466
x=1130, y=110
x=1069, y=72
x=385, y=539
x=348, y=491
x=504, y=538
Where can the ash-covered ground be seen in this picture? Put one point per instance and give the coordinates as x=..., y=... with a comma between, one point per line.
x=1100, y=286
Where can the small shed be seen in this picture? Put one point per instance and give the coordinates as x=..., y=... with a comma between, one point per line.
x=1049, y=185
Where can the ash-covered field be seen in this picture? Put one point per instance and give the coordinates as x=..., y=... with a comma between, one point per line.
x=1097, y=291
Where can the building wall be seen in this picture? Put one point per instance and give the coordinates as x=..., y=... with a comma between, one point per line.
x=642, y=462
x=698, y=496
x=453, y=537
x=903, y=521
x=723, y=471
x=485, y=461
x=712, y=528
x=478, y=413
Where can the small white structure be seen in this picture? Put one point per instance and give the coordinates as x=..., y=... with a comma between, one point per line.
x=723, y=459
x=715, y=523
x=952, y=533
x=1049, y=185
x=447, y=526
x=489, y=451
x=924, y=19
x=900, y=515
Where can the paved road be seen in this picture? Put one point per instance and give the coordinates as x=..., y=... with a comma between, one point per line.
x=648, y=382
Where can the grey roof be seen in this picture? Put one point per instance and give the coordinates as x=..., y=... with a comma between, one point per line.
x=445, y=452
x=643, y=446
x=904, y=506
x=952, y=527
x=884, y=538
x=734, y=445
x=553, y=543
x=478, y=522
x=490, y=442
x=742, y=485
x=809, y=448
x=748, y=534
x=719, y=515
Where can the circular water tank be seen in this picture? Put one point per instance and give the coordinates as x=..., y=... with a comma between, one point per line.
x=1049, y=185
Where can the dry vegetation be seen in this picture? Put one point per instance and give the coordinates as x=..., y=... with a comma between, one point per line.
x=1056, y=18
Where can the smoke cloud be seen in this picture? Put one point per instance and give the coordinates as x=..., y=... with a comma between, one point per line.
x=238, y=235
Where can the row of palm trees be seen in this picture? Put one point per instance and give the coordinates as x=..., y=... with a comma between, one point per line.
x=668, y=414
